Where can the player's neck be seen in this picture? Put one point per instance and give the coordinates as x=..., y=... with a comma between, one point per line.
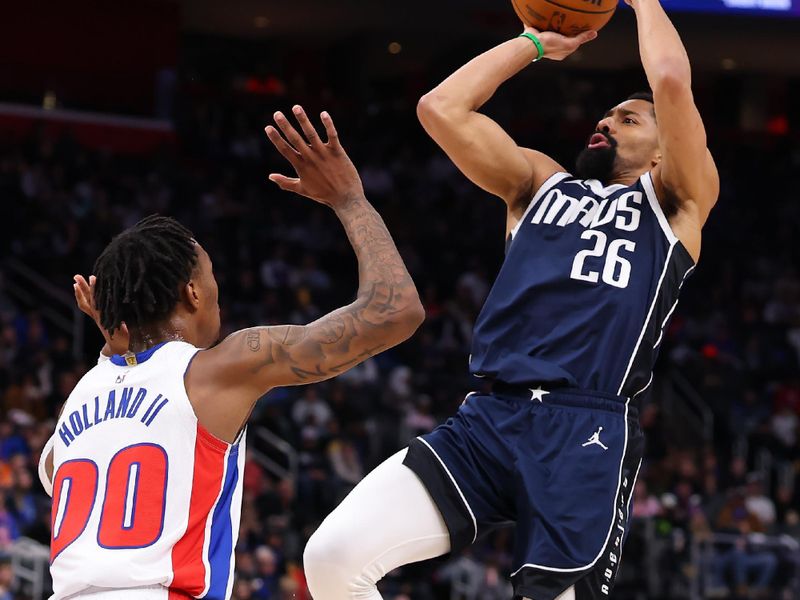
x=625, y=178
x=144, y=338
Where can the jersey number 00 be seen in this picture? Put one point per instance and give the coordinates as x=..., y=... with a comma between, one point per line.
x=132, y=514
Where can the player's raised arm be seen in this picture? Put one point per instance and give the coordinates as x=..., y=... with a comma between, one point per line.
x=483, y=151
x=387, y=309
x=687, y=169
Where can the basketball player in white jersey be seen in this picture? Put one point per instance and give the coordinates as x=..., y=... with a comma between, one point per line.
x=146, y=462
x=520, y=454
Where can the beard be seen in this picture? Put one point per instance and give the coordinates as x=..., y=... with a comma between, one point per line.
x=597, y=163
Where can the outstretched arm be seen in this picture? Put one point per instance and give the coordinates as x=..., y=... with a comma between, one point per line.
x=478, y=146
x=224, y=382
x=687, y=169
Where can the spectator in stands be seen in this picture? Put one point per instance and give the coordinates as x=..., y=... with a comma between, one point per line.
x=12, y=443
x=751, y=566
x=242, y=588
x=645, y=505
x=757, y=503
x=6, y=577
x=311, y=409
x=9, y=527
x=346, y=465
x=22, y=502
x=265, y=582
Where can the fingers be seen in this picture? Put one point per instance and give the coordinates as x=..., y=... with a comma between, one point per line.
x=291, y=150
x=307, y=127
x=294, y=138
x=330, y=129
x=81, y=289
x=280, y=144
x=290, y=184
x=586, y=36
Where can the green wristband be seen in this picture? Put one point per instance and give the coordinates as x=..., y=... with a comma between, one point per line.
x=536, y=43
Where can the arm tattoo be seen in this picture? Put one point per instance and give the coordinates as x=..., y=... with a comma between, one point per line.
x=253, y=339
x=287, y=335
x=352, y=334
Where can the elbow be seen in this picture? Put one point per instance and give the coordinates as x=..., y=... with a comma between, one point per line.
x=411, y=317
x=416, y=315
x=427, y=108
x=398, y=323
x=433, y=107
x=672, y=78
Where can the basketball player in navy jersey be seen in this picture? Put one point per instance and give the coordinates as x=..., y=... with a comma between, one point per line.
x=567, y=337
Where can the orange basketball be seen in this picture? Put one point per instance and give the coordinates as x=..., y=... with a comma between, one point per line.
x=569, y=17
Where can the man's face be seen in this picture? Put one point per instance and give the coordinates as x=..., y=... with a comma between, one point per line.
x=624, y=141
x=208, y=292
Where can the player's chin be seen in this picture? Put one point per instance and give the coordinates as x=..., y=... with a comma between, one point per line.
x=596, y=163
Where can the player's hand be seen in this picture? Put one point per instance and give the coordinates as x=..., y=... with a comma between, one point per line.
x=559, y=47
x=84, y=297
x=324, y=171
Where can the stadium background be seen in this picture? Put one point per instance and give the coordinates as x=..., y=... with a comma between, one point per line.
x=112, y=111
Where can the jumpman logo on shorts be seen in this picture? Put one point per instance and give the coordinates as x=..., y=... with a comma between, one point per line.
x=595, y=439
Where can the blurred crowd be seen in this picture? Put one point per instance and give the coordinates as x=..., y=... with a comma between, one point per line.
x=724, y=506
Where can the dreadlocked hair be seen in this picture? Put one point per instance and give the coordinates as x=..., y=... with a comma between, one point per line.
x=140, y=273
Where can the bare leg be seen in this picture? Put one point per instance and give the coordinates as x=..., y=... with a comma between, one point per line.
x=388, y=520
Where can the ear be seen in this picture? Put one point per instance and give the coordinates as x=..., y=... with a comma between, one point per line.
x=656, y=158
x=191, y=295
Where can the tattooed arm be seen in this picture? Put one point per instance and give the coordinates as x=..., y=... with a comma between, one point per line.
x=385, y=312
x=225, y=382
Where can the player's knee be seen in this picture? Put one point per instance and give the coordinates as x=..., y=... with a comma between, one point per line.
x=336, y=568
x=315, y=552
x=328, y=564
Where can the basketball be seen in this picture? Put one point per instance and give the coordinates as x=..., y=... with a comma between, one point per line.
x=569, y=17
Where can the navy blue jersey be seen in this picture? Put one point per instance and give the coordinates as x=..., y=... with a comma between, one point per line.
x=589, y=282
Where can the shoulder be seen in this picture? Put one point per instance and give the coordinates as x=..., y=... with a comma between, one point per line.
x=181, y=347
x=683, y=217
x=700, y=195
x=176, y=354
x=90, y=379
x=214, y=368
x=543, y=168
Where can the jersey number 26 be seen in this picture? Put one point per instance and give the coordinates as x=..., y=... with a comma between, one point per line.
x=616, y=270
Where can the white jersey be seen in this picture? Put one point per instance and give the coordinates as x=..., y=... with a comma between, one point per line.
x=143, y=495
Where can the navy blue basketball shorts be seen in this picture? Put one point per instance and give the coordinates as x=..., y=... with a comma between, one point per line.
x=561, y=465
